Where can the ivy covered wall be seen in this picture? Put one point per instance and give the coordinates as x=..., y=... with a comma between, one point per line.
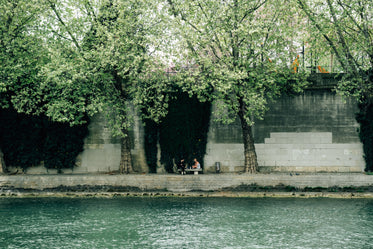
x=365, y=118
x=28, y=141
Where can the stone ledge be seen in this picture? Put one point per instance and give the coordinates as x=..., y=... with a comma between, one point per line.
x=351, y=195
x=310, y=169
x=183, y=183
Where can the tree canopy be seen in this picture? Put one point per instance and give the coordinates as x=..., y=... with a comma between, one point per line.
x=72, y=58
x=69, y=59
x=345, y=28
x=21, y=54
x=237, y=53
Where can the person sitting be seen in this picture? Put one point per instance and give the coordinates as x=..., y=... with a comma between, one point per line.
x=196, y=164
x=181, y=166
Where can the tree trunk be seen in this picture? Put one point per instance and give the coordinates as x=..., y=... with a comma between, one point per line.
x=125, y=157
x=251, y=162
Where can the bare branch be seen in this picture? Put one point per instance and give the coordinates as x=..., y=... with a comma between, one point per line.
x=53, y=6
x=252, y=10
x=345, y=47
x=90, y=9
x=310, y=15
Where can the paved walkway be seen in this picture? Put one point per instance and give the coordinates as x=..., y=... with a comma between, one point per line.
x=187, y=183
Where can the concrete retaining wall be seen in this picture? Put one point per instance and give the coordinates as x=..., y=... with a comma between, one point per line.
x=102, y=151
x=308, y=152
x=185, y=183
x=312, y=132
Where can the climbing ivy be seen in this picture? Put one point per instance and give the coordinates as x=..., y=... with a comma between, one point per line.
x=28, y=141
x=151, y=141
x=20, y=139
x=63, y=144
x=365, y=118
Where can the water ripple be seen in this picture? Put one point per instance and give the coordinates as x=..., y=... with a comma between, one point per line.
x=185, y=223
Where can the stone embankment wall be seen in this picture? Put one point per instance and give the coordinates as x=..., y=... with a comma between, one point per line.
x=102, y=151
x=180, y=183
x=312, y=132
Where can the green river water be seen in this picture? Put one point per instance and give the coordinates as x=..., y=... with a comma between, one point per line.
x=167, y=222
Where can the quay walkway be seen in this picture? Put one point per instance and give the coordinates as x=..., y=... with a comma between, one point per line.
x=198, y=185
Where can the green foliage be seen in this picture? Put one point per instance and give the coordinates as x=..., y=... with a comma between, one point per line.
x=230, y=46
x=71, y=59
x=154, y=91
x=343, y=28
x=158, y=90
x=235, y=51
x=21, y=54
x=27, y=141
x=365, y=118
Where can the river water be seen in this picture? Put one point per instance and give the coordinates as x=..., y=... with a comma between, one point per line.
x=167, y=222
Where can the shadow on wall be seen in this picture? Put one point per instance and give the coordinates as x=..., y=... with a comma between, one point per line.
x=28, y=141
x=182, y=133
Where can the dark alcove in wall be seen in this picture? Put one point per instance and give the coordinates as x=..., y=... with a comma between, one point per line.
x=182, y=133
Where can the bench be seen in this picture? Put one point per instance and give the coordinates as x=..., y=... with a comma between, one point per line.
x=193, y=170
